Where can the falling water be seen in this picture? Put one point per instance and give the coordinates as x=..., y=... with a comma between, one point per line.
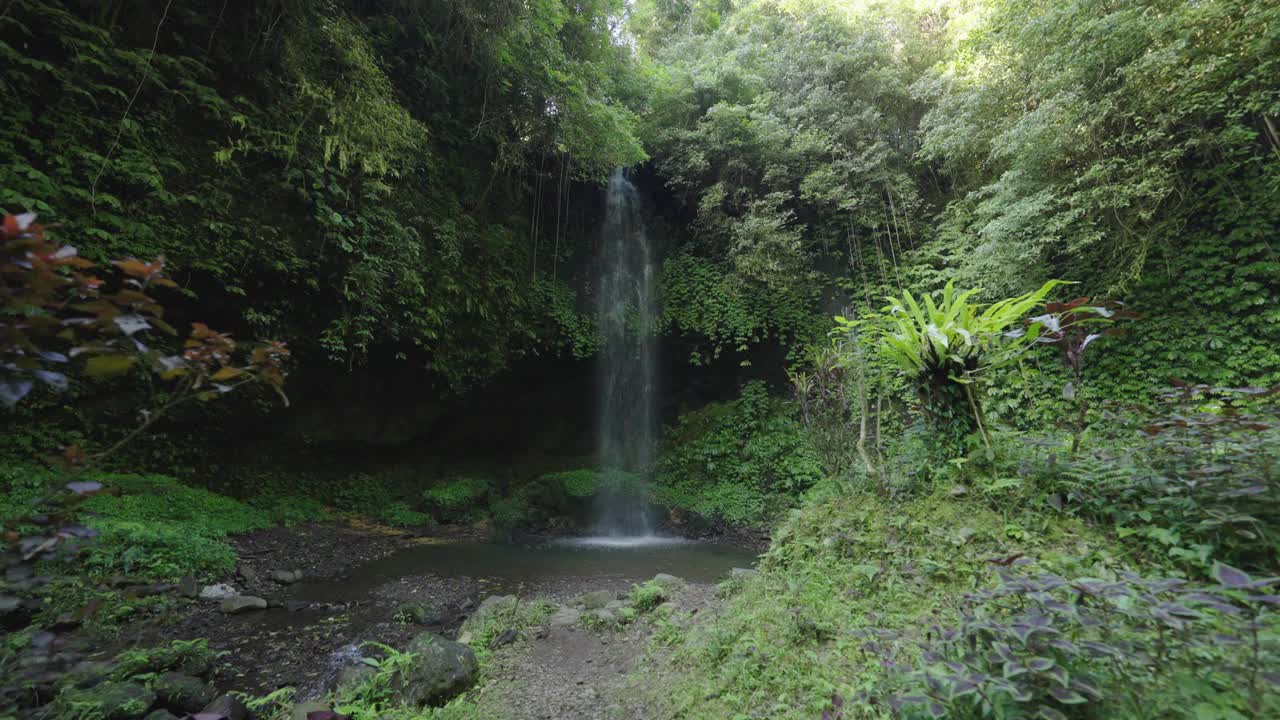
x=627, y=367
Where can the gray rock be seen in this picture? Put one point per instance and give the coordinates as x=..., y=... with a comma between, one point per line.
x=285, y=577
x=228, y=706
x=601, y=615
x=614, y=605
x=110, y=700
x=220, y=591
x=161, y=714
x=564, y=617
x=353, y=675
x=247, y=573
x=743, y=573
x=182, y=692
x=301, y=711
x=666, y=608
x=668, y=582
x=593, y=600
x=495, y=608
x=441, y=669
x=242, y=603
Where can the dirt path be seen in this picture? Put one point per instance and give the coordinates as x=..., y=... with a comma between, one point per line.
x=580, y=672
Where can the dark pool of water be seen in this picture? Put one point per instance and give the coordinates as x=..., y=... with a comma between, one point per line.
x=509, y=566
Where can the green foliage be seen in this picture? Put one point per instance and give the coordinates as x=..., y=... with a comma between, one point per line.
x=647, y=595
x=400, y=514
x=193, y=657
x=457, y=499
x=702, y=300
x=1198, y=484
x=155, y=528
x=1063, y=648
x=743, y=461
x=373, y=698
x=362, y=494
x=1097, y=179
x=944, y=346
x=390, y=157
x=787, y=640
x=582, y=483
x=157, y=499
x=157, y=551
x=289, y=510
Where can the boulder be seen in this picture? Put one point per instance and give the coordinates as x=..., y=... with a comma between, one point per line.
x=353, y=675
x=564, y=617
x=499, y=608
x=670, y=583
x=593, y=600
x=228, y=706
x=242, y=603
x=441, y=669
x=221, y=591
x=615, y=605
x=418, y=614
x=601, y=615
x=182, y=692
x=160, y=714
x=247, y=573
x=110, y=700
x=743, y=573
x=285, y=577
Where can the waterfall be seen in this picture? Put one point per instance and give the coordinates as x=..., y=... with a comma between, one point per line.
x=627, y=367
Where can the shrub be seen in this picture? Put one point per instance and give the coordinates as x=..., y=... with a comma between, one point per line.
x=1200, y=482
x=361, y=494
x=582, y=483
x=1044, y=646
x=457, y=499
x=743, y=461
x=399, y=514
x=289, y=510
x=157, y=551
x=193, y=657
x=151, y=499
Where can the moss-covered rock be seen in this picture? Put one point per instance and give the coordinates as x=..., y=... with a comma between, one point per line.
x=184, y=692
x=441, y=669
x=110, y=700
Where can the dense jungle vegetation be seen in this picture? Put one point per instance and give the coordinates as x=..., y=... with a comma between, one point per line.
x=973, y=305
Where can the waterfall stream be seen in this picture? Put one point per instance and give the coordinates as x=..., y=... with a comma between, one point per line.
x=627, y=365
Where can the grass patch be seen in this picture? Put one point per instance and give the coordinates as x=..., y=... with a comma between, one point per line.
x=785, y=642
x=154, y=528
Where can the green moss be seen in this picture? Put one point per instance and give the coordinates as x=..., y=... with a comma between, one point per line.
x=193, y=657
x=647, y=596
